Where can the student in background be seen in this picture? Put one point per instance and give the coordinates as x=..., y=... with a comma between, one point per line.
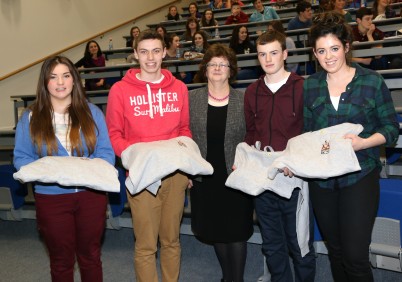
x=172, y=43
x=273, y=107
x=220, y=216
x=303, y=18
x=382, y=10
x=193, y=11
x=173, y=15
x=237, y=16
x=161, y=30
x=365, y=31
x=130, y=120
x=93, y=58
x=208, y=20
x=62, y=123
x=134, y=32
x=263, y=13
x=218, y=4
x=192, y=25
x=240, y=43
x=338, y=6
x=346, y=206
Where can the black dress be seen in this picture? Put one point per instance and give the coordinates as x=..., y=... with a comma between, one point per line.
x=219, y=214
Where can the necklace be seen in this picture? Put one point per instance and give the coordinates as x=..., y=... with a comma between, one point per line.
x=218, y=99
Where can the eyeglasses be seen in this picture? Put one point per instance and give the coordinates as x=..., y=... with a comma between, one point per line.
x=215, y=65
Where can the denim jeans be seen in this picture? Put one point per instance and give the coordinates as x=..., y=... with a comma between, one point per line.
x=277, y=219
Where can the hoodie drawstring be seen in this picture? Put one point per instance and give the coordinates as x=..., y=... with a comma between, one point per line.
x=151, y=111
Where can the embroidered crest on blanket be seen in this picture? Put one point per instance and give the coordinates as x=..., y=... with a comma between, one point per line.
x=320, y=154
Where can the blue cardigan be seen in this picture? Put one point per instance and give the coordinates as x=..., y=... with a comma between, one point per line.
x=25, y=150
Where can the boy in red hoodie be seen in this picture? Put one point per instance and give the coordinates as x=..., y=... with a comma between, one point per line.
x=149, y=104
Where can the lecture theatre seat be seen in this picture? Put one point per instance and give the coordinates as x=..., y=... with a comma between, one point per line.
x=12, y=192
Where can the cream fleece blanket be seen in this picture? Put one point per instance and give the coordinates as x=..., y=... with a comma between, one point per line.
x=250, y=175
x=94, y=173
x=149, y=162
x=320, y=154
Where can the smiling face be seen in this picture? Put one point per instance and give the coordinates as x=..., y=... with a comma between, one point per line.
x=149, y=54
x=198, y=40
x=218, y=70
x=271, y=57
x=60, y=86
x=331, y=54
x=242, y=34
x=93, y=49
x=135, y=32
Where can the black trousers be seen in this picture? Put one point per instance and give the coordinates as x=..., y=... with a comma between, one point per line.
x=345, y=216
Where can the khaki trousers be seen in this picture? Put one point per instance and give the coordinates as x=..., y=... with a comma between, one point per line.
x=158, y=216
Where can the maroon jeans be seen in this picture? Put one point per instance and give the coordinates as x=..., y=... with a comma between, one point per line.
x=72, y=225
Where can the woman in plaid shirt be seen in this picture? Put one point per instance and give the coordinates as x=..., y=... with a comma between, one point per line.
x=346, y=206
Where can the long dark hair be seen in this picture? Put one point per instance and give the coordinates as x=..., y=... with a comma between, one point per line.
x=87, y=54
x=234, y=40
x=204, y=20
x=80, y=117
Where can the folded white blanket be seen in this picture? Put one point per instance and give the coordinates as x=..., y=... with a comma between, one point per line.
x=94, y=173
x=250, y=175
x=320, y=154
x=149, y=162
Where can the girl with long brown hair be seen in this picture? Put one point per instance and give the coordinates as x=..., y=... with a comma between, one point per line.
x=62, y=123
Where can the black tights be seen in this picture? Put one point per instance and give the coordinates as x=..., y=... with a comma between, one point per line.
x=232, y=258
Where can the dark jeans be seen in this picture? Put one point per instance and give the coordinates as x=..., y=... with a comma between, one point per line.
x=277, y=219
x=73, y=225
x=346, y=217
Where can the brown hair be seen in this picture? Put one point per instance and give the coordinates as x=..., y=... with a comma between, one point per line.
x=80, y=117
x=219, y=50
x=272, y=36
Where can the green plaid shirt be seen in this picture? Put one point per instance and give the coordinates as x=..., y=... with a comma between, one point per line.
x=366, y=101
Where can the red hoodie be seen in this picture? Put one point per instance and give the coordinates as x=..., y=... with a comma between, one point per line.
x=134, y=114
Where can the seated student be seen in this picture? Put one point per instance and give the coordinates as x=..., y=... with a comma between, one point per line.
x=199, y=46
x=93, y=58
x=173, y=15
x=290, y=44
x=323, y=6
x=240, y=43
x=192, y=25
x=338, y=6
x=303, y=18
x=237, y=16
x=134, y=32
x=365, y=31
x=172, y=42
x=208, y=20
x=218, y=4
x=131, y=58
x=262, y=13
x=193, y=11
x=382, y=10
x=161, y=30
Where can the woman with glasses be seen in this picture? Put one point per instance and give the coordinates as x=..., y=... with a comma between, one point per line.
x=220, y=216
